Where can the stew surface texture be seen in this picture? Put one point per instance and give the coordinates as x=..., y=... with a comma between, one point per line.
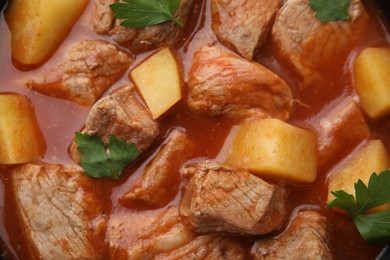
x=243, y=120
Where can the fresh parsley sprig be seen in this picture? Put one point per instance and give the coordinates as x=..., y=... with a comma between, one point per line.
x=373, y=227
x=97, y=162
x=142, y=13
x=330, y=10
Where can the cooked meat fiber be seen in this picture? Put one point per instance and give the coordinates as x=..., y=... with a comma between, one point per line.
x=222, y=83
x=207, y=247
x=89, y=68
x=161, y=174
x=223, y=199
x=164, y=234
x=120, y=114
x=60, y=212
x=142, y=39
x=243, y=24
x=300, y=39
x=342, y=127
x=305, y=239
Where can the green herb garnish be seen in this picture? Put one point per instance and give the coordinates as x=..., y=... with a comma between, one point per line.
x=373, y=227
x=142, y=13
x=330, y=10
x=97, y=162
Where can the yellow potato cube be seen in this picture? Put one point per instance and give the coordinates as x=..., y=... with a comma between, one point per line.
x=372, y=81
x=372, y=157
x=21, y=140
x=39, y=26
x=274, y=148
x=158, y=81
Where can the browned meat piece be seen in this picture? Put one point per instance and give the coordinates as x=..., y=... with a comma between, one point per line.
x=60, y=212
x=341, y=127
x=103, y=19
x=243, y=24
x=223, y=199
x=207, y=247
x=163, y=234
x=88, y=70
x=142, y=39
x=221, y=83
x=305, y=239
x=160, y=176
x=120, y=114
x=300, y=39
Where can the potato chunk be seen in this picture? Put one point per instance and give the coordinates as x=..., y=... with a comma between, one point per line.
x=158, y=80
x=372, y=157
x=20, y=137
x=372, y=81
x=274, y=148
x=39, y=26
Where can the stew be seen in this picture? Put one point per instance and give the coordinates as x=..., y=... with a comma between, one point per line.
x=264, y=79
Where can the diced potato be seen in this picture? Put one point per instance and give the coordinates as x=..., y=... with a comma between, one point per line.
x=372, y=157
x=39, y=26
x=158, y=80
x=21, y=140
x=372, y=81
x=275, y=148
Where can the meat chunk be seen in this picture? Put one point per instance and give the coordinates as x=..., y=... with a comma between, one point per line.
x=338, y=128
x=221, y=83
x=160, y=176
x=163, y=234
x=303, y=41
x=89, y=68
x=243, y=24
x=207, y=247
x=305, y=238
x=60, y=212
x=139, y=39
x=120, y=114
x=222, y=199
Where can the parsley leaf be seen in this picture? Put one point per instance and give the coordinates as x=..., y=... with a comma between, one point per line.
x=373, y=227
x=330, y=10
x=97, y=162
x=142, y=13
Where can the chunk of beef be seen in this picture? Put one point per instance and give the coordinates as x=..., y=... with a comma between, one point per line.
x=207, y=247
x=163, y=234
x=221, y=83
x=305, y=42
x=120, y=114
x=305, y=238
x=139, y=39
x=160, y=176
x=243, y=24
x=223, y=199
x=88, y=70
x=60, y=212
x=339, y=128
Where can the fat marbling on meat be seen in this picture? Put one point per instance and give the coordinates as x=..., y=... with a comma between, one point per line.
x=120, y=114
x=161, y=173
x=89, y=68
x=243, y=24
x=60, y=212
x=306, y=238
x=139, y=39
x=222, y=83
x=223, y=199
x=305, y=42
